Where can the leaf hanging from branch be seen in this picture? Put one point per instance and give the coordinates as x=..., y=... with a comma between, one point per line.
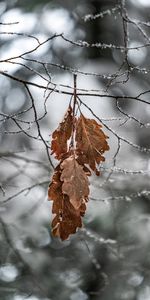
x=75, y=181
x=67, y=219
x=91, y=142
x=63, y=226
x=55, y=191
x=79, y=143
x=62, y=134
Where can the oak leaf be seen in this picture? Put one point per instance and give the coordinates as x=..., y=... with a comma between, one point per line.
x=62, y=134
x=69, y=189
x=75, y=182
x=90, y=142
x=67, y=219
x=68, y=222
x=55, y=191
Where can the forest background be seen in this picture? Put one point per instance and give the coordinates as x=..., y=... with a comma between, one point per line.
x=106, y=44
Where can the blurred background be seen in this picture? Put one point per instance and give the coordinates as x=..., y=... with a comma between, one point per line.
x=42, y=44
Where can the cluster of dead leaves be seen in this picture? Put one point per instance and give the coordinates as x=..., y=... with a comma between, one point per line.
x=79, y=144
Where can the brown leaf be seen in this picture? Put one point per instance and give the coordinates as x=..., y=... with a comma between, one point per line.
x=67, y=223
x=90, y=142
x=55, y=191
x=75, y=182
x=62, y=134
x=69, y=188
x=67, y=218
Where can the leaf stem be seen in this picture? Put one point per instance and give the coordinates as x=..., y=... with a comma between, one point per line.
x=74, y=93
x=74, y=106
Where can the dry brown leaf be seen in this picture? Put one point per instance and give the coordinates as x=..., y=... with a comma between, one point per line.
x=68, y=222
x=75, y=182
x=62, y=134
x=55, y=191
x=90, y=142
x=67, y=219
x=69, y=188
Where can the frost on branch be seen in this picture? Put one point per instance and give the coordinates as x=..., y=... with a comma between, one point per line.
x=79, y=144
